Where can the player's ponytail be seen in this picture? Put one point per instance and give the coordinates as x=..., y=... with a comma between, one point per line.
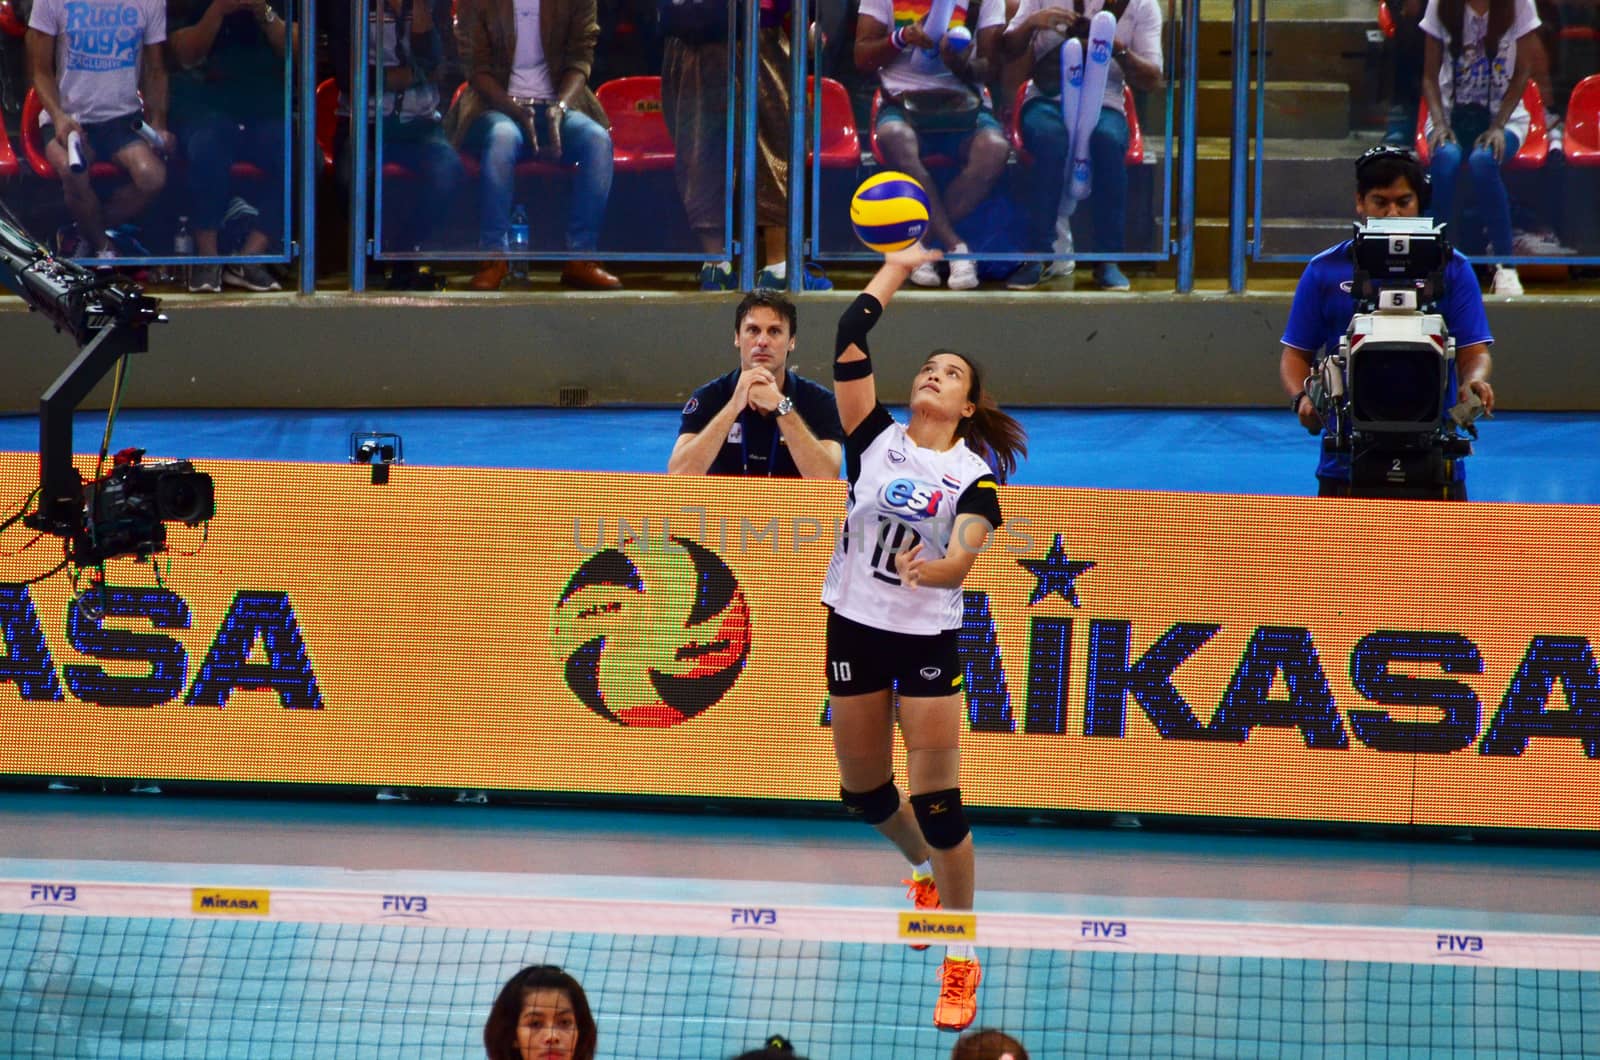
x=989, y=432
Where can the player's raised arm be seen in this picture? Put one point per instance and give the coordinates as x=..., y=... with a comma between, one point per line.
x=853, y=383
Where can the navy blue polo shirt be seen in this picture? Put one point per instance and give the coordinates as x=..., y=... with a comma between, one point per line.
x=755, y=445
x=1323, y=305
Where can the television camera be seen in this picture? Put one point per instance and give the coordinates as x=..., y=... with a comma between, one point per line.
x=1387, y=396
x=123, y=512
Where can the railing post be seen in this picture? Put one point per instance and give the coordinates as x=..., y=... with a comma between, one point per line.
x=310, y=155
x=1191, y=46
x=360, y=11
x=799, y=49
x=747, y=175
x=1239, y=146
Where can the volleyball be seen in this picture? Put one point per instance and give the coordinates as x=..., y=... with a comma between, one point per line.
x=652, y=636
x=889, y=212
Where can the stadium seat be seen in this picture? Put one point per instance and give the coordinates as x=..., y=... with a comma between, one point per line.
x=33, y=145
x=8, y=158
x=1385, y=19
x=12, y=24
x=327, y=120
x=1583, y=123
x=639, y=138
x=838, y=139
x=1533, y=151
x=1135, y=155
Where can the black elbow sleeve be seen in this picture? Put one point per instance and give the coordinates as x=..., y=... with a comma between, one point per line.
x=854, y=324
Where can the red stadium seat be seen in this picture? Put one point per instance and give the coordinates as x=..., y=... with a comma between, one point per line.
x=1385, y=19
x=33, y=145
x=639, y=138
x=1134, y=156
x=11, y=23
x=9, y=166
x=838, y=139
x=1532, y=152
x=1583, y=123
x=327, y=121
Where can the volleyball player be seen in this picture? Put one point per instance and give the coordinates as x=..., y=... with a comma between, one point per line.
x=923, y=501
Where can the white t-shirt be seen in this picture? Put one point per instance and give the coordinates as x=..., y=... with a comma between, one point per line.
x=915, y=70
x=1138, y=30
x=901, y=494
x=530, y=73
x=419, y=99
x=98, y=49
x=1475, y=78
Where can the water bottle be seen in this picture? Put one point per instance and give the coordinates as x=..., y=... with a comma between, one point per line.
x=182, y=247
x=519, y=242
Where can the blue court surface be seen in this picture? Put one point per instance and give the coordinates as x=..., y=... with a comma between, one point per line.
x=642, y=904
x=1535, y=457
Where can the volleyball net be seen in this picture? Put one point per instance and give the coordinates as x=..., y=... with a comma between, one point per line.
x=137, y=971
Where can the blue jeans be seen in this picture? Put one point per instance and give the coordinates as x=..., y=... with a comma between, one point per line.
x=213, y=142
x=1445, y=169
x=1045, y=136
x=411, y=208
x=500, y=143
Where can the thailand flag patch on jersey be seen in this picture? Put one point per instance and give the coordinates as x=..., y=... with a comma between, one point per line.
x=952, y=483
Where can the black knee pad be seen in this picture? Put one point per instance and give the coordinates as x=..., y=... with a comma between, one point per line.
x=875, y=806
x=943, y=821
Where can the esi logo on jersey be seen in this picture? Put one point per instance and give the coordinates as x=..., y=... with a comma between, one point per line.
x=911, y=500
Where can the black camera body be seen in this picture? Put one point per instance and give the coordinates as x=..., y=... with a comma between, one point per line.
x=126, y=512
x=1386, y=394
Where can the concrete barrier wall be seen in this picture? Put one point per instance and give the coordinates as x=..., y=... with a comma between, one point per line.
x=348, y=351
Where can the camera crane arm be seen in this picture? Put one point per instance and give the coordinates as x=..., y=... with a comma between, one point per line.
x=109, y=319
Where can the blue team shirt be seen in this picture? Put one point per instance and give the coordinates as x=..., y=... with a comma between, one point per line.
x=1323, y=305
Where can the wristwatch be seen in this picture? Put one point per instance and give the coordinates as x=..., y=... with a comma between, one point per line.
x=1294, y=404
x=785, y=407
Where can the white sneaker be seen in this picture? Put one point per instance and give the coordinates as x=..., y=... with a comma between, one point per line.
x=925, y=275
x=963, y=274
x=1506, y=281
x=1064, y=265
x=1538, y=244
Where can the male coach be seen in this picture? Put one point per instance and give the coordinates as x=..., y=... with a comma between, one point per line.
x=763, y=418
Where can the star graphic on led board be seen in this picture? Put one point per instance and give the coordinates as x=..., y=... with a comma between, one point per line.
x=1056, y=574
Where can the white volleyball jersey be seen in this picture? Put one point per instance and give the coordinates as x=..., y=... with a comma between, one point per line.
x=902, y=494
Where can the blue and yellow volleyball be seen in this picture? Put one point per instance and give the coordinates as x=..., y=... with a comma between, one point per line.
x=889, y=212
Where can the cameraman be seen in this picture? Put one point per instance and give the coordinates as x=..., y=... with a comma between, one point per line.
x=1389, y=183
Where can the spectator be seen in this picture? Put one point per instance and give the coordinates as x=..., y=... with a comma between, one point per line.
x=694, y=102
x=762, y=418
x=988, y=1044
x=1406, y=53
x=1044, y=26
x=413, y=136
x=933, y=104
x=1476, y=99
x=1390, y=182
x=228, y=103
x=527, y=94
x=90, y=65
x=541, y=1012
x=777, y=1047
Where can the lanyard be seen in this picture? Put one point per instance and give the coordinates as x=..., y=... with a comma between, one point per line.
x=744, y=443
